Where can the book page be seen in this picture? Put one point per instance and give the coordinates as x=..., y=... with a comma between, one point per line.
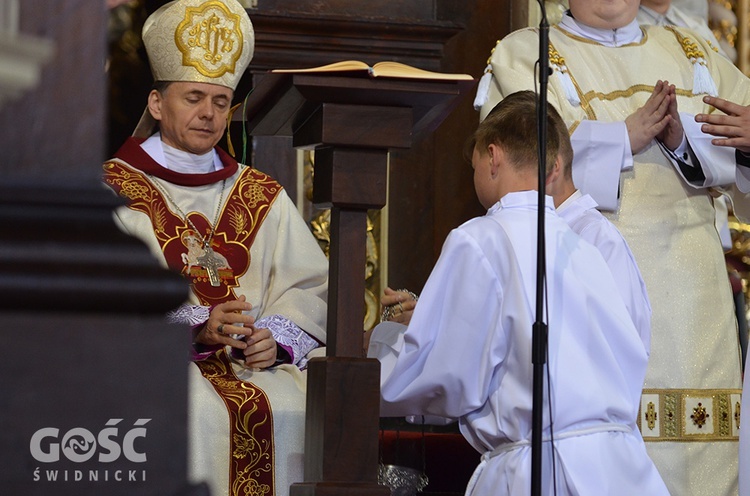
x=344, y=65
x=381, y=69
x=397, y=69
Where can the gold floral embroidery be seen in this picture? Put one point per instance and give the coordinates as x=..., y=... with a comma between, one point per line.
x=251, y=426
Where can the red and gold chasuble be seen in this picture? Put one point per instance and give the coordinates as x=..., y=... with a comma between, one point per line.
x=248, y=201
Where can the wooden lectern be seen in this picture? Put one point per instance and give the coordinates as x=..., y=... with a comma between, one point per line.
x=351, y=121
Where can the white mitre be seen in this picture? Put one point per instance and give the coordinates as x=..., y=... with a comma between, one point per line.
x=202, y=41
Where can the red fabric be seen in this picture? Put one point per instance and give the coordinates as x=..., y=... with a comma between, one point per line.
x=132, y=153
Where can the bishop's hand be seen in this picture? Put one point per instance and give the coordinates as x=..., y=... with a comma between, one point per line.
x=225, y=323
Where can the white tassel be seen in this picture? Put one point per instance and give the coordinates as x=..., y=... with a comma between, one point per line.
x=567, y=83
x=483, y=89
x=703, y=82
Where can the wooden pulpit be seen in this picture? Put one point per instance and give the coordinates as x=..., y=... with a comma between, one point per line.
x=351, y=121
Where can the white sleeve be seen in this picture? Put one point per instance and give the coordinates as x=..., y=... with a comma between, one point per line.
x=443, y=367
x=602, y=150
x=717, y=163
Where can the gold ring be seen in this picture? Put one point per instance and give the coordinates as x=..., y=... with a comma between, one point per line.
x=220, y=329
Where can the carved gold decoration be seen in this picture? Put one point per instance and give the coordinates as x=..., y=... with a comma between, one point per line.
x=722, y=19
x=739, y=255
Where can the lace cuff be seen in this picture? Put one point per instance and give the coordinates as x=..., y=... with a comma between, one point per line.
x=189, y=314
x=194, y=316
x=289, y=335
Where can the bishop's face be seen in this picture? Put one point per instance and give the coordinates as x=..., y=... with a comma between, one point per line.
x=192, y=116
x=604, y=14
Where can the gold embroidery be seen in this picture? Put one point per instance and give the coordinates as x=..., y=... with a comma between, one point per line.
x=725, y=426
x=251, y=426
x=584, y=103
x=614, y=95
x=689, y=415
x=737, y=413
x=210, y=39
x=700, y=416
x=671, y=415
x=688, y=46
x=238, y=225
x=588, y=97
x=238, y=220
x=650, y=415
x=554, y=56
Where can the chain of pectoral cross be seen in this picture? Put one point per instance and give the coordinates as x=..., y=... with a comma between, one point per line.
x=208, y=260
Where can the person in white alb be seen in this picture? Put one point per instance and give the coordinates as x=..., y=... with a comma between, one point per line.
x=466, y=353
x=579, y=211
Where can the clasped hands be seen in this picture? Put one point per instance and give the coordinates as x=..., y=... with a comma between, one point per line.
x=227, y=325
x=656, y=119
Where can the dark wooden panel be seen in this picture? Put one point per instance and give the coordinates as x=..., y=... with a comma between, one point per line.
x=377, y=9
x=350, y=178
x=431, y=185
x=345, y=279
x=82, y=372
x=83, y=305
x=330, y=426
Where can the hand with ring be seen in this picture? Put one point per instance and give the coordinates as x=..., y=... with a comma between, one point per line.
x=227, y=325
x=398, y=306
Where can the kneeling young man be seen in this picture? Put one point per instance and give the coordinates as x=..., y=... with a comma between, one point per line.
x=466, y=352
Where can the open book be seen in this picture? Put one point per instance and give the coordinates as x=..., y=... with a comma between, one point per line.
x=381, y=69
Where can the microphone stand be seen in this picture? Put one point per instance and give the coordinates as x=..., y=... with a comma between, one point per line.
x=539, y=330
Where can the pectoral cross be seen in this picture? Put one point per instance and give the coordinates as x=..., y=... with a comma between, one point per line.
x=211, y=263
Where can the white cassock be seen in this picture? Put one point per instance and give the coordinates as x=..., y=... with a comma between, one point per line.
x=692, y=391
x=467, y=355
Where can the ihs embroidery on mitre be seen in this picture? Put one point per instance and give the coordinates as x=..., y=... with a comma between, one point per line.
x=210, y=39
